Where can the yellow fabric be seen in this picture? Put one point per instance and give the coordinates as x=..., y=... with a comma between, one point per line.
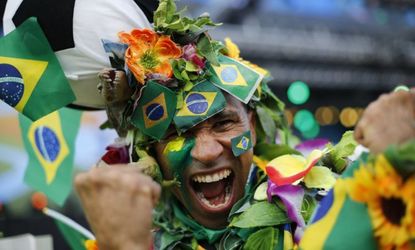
x=31, y=71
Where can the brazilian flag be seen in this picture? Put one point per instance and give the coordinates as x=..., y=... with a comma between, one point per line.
x=339, y=222
x=235, y=78
x=73, y=238
x=49, y=143
x=155, y=110
x=241, y=143
x=201, y=102
x=31, y=78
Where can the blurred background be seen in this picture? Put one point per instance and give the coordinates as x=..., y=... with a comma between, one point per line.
x=328, y=58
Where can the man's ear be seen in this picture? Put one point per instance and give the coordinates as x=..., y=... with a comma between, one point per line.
x=252, y=125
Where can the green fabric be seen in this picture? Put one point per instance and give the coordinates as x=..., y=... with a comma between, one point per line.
x=49, y=143
x=155, y=110
x=44, y=87
x=241, y=143
x=74, y=239
x=353, y=228
x=203, y=101
x=235, y=78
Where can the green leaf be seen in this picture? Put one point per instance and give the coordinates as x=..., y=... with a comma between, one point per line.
x=205, y=48
x=164, y=13
x=271, y=100
x=190, y=66
x=230, y=241
x=402, y=157
x=259, y=215
x=184, y=75
x=336, y=158
x=106, y=124
x=270, y=151
x=264, y=239
x=307, y=208
x=167, y=239
x=267, y=122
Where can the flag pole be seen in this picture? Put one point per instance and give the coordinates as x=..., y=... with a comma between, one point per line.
x=69, y=222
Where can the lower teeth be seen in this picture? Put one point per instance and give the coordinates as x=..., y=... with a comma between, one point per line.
x=209, y=204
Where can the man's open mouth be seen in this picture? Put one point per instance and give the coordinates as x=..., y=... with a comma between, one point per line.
x=214, y=190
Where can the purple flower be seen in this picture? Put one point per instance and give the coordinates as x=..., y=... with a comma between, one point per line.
x=292, y=198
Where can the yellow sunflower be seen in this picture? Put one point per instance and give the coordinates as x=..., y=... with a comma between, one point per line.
x=390, y=201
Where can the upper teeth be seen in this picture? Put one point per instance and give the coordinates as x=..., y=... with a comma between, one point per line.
x=212, y=177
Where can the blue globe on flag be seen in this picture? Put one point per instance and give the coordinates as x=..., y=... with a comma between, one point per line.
x=229, y=74
x=154, y=111
x=11, y=84
x=47, y=143
x=197, y=103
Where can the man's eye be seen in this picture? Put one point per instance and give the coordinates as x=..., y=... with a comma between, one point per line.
x=223, y=124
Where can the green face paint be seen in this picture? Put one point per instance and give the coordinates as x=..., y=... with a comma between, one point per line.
x=178, y=154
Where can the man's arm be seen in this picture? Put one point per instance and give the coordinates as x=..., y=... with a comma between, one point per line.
x=118, y=203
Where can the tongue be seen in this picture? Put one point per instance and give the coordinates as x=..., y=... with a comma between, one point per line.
x=212, y=189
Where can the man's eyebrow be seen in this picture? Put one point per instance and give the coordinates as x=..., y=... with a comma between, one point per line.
x=233, y=114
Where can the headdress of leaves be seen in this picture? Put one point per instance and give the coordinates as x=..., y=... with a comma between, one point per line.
x=186, y=31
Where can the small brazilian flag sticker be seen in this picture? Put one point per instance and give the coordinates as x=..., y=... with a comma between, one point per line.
x=235, y=78
x=203, y=101
x=241, y=143
x=155, y=110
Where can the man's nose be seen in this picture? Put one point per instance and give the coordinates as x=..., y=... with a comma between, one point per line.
x=207, y=148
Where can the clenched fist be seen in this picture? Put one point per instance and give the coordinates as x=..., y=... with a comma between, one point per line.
x=388, y=120
x=118, y=203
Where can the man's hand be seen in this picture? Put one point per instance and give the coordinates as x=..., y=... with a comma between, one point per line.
x=388, y=120
x=118, y=203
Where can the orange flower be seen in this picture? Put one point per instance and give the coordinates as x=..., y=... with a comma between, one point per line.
x=149, y=53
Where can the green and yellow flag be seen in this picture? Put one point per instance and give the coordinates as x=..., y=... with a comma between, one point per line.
x=235, y=78
x=155, y=110
x=31, y=78
x=49, y=142
x=203, y=101
x=339, y=222
x=241, y=143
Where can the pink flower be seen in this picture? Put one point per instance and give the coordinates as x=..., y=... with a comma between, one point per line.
x=190, y=54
